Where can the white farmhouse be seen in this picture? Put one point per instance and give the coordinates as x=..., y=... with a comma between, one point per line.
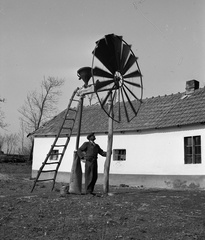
x=163, y=147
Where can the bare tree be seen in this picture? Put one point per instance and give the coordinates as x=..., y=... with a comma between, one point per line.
x=25, y=144
x=1, y=143
x=10, y=143
x=39, y=107
x=2, y=117
x=91, y=97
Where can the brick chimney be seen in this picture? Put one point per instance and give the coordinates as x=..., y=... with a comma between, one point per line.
x=191, y=86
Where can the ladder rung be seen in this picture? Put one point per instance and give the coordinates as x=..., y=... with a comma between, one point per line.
x=51, y=163
x=43, y=180
x=70, y=119
x=67, y=128
x=54, y=154
x=58, y=146
x=43, y=171
x=71, y=109
x=76, y=100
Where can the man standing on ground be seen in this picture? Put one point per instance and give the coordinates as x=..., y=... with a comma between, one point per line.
x=89, y=151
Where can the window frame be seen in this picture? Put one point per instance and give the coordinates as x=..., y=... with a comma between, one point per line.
x=119, y=154
x=192, y=150
x=54, y=155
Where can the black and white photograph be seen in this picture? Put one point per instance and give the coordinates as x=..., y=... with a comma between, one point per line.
x=102, y=119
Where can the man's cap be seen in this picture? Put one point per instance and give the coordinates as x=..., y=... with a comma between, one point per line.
x=90, y=135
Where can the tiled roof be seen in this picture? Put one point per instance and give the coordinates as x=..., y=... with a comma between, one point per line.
x=156, y=112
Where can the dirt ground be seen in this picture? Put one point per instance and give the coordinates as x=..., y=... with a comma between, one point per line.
x=126, y=213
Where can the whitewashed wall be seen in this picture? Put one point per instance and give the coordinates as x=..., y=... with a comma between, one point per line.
x=160, y=152
x=42, y=147
x=157, y=152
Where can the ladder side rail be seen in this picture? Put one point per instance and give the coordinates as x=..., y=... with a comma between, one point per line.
x=67, y=139
x=54, y=143
x=63, y=152
x=64, y=119
x=59, y=132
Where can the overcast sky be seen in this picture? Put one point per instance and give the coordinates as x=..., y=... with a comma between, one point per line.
x=42, y=38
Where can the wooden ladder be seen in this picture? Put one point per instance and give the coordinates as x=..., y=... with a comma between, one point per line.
x=67, y=125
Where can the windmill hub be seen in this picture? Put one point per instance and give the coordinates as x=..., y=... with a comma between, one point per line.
x=118, y=79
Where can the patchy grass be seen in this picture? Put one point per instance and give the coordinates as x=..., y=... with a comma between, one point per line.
x=127, y=213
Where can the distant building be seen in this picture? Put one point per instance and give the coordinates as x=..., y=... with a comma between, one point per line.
x=163, y=147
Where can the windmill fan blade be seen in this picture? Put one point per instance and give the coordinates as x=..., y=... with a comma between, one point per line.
x=133, y=83
x=110, y=40
x=125, y=53
x=101, y=52
x=118, y=50
x=114, y=43
x=101, y=73
x=125, y=109
x=105, y=99
x=108, y=94
x=119, y=107
x=99, y=85
x=111, y=110
x=131, y=93
x=129, y=101
x=131, y=60
x=133, y=74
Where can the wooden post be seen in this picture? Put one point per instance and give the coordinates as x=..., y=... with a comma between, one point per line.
x=79, y=123
x=75, y=185
x=109, y=149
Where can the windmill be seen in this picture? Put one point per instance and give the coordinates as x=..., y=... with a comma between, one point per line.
x=117, y=82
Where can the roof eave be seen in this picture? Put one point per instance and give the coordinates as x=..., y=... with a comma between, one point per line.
x=124, y=130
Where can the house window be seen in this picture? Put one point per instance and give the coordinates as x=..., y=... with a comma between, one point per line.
x=192, y=150
x=54, y=155
x=119, y=154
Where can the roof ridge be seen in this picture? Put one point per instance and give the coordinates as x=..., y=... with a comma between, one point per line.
x=161, y=96
x=173, y=94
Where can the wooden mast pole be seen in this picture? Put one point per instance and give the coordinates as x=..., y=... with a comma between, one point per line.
x=75, y=185
x=109, y=148
x=79, y=123
x=76, y=171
